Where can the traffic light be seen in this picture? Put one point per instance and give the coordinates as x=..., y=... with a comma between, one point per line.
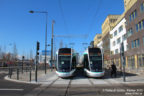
x=22, y=57
x=38, y=45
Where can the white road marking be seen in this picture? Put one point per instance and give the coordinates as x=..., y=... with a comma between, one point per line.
x=7, y=89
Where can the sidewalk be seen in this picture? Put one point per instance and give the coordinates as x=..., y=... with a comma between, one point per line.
x=46, y=79
x=25, y=76
x=131, y=79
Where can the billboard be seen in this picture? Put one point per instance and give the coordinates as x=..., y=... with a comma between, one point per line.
x=48, y=52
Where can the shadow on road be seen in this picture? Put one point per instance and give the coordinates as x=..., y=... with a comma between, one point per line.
x=119, y=74
x=79, y=74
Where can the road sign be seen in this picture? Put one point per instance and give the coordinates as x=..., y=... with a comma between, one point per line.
x=48, y=52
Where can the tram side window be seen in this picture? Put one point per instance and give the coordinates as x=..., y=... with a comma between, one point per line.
x=86, y=61
x=73, y=62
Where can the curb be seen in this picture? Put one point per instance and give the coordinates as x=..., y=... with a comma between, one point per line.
x=18, y=81
x=33, y=82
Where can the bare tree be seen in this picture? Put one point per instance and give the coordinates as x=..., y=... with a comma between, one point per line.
x=31, y=54
x=27, y=56
x=15, y=53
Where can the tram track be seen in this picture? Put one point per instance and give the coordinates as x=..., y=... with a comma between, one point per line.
x=67, y=88
x=91, y=82
x=47, y=86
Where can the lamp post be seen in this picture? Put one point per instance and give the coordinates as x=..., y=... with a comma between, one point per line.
x=52, y=45
x=46, y=14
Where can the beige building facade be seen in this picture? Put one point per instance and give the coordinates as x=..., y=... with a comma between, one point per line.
x=128, y=4
x=109, y=23
x=97, y=39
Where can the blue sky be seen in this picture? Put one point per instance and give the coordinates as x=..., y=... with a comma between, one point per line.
x=72, y=17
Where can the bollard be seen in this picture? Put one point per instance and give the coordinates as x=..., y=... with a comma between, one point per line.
x=9, y=72
x=17, y=73
x=30, y=74
x=36, y=73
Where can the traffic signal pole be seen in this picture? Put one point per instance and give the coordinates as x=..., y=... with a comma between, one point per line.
x=123, y=60
x=36, y=65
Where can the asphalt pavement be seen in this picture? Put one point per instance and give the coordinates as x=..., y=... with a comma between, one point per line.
x=79, y=85
x=8, y=88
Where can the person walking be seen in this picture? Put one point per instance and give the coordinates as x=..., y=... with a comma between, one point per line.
x=113, y=70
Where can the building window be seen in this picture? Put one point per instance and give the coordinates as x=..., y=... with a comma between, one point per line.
x=115, y=33
x=127, y=47
x=140, y=61
x=118, y=40
x=120, y=28
x=130, y=18
x=143, y=40
x=112, y=20
x=143, y=23
x=143, y=59
x=137, y=29
x=140, y=26
x=116, y=51
x=130, y=32
x=132, y=44
x=133, y=15
x=124, y=37
x=111, y=53
x=142, y=7
x=132, y=62
x=99, y=37
x=113, y=43
x=135, y=43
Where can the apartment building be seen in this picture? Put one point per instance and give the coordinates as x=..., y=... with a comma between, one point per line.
x=135, y=36
x=107, y=26
x=117, y=36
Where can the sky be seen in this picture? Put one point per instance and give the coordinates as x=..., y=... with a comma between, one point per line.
x=80, y=19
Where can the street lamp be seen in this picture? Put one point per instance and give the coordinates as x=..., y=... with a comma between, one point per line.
x=46, y=13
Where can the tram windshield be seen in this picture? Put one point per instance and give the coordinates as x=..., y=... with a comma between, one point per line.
x=96, y=63
x=64, y=63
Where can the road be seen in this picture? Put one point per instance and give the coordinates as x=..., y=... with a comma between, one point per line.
x=8, y=88
x=76, y=86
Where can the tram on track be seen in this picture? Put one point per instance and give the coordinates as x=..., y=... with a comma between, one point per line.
x=92, y=60
x=66, y=60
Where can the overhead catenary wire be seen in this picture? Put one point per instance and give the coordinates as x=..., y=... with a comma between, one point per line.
x=72, y=36
x=90, y=26
x=94, y=18
x=63, y=17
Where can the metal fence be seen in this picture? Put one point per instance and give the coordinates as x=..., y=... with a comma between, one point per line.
x=24, y=73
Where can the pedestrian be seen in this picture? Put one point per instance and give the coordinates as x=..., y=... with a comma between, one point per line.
x=113, y=70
